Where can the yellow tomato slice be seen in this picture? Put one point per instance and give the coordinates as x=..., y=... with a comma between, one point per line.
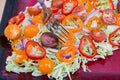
x=12, y=31
x=30, y=31
x=20, y=58
x=118, y=19
x=46, y=65
x=38, y=19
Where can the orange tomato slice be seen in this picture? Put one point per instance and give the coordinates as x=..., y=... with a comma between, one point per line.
x=38, y=19
x=20, y=58
x=12, y=31
x=30, y=31
x=46, y=65
x=118, y=19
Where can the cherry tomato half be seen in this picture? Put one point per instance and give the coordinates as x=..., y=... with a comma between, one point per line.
x=109, y=16
x=118, y=19
x=30, y=31
x=98, y=36
x=57, y=3
x=81, y=12
x=20, y=58
x=46, y=65
x=60, y=17
x=34, y=10
x=12, y=31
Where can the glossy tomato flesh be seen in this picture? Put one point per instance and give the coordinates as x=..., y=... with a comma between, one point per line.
x=98, y=36
x=46, y=65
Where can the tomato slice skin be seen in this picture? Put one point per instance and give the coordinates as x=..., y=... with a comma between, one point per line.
x=98, y=36
x=20, y=58
x=60, y=17
x=53, y=9
x=30, y=31
x=80, y=11
x=34, y=10
x=46, y=65
x=118, y=19
x=38, y=19
x=12, y=31
x=34, y=56
x=110, y=38
x=91, y=44
x=57, y=3
x=109, y=17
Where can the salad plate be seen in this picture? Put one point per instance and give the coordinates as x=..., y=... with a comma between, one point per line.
x=101, y=69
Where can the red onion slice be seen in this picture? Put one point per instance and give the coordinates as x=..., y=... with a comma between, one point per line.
x=31, y=22
x=86, y=31
x=67, y=56
x=93, y=13
x=24, y=41
x=18, y=45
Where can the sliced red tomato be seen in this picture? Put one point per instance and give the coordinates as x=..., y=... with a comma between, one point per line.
x=30, y=31
x=12, y=31
x=54, y=10
x=38, y=19
x=109, y=16
x=81, y=12
x=98, y=36
x=60, y=17
x=34, y=50
x=57, y=3
x=34, y=10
